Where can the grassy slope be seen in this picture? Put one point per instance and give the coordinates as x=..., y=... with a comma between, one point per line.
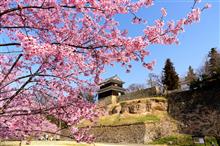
x=127, y=119
x=114, y=120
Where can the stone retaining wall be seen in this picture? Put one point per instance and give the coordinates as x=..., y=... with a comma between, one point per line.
x=120, y=134
x=197, y=111
x=134, y=133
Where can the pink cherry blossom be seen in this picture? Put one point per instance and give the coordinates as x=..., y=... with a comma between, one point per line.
x=207, y=5
x=164, y=12
x=136, y=20
x=193, y=16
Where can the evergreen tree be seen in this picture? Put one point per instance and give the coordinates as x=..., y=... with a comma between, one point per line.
x=170, y=77
x=210, y=75
x=214, y=63
x=191, y=76
x=205, y=69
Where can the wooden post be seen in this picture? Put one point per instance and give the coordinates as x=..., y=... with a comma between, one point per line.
x=20, y=142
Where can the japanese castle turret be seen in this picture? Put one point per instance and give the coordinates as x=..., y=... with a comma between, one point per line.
x=112, y=87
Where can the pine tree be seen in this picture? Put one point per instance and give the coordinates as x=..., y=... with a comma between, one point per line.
x=205, y=69
x=210, y=76
x=170, y=77
x=214, y=63
x=191, y=76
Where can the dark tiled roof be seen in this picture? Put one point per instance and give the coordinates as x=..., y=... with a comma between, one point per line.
x=114, y=78
x=115, y=88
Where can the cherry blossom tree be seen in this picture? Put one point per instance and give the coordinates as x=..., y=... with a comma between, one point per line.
x=53, y=50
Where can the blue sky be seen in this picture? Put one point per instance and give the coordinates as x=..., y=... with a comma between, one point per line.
x=195, y=42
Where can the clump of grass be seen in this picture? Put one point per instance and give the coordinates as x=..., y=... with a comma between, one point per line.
x=183, y=140
x=210, y=140
x=175, y=140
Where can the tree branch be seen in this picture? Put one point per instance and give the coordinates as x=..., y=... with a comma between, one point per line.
x=10, y=44
x=22, y=8
x=42, y=7
x=21, y=27
x=10, y=70
x=18, y=91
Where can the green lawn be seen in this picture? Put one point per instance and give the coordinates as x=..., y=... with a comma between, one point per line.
x=113, y=120
x=127, y=119
x=182, y=140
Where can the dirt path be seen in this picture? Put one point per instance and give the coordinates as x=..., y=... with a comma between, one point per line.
x=105, y=144
x=65, y=143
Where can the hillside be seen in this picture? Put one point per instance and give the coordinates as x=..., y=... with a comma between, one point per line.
x=147, y=121
x=133, y=121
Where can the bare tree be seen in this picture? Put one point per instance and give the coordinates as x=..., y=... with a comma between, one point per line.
x=135, y=87
x=154, y=80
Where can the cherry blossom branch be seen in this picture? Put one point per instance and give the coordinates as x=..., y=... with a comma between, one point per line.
x=11, y=52
x=10, y=44
x=23, y=77
x=44, y=111
x=22, y=27
x=42, y=7
x=19, y=90
x=10, y=70
x=22, y=8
